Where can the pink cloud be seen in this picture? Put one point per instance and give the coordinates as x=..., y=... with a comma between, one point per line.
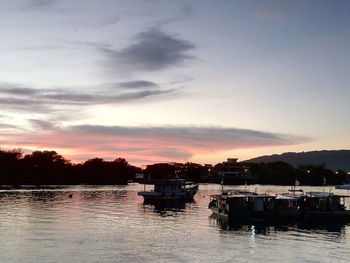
x=141, y=145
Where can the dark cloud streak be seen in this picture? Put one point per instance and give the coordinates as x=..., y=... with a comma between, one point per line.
x=39, y=4
x=138, y=84
x=41, y=124
x=5, y=126
x=151, y=50
x=196, y=135
x=39, y=100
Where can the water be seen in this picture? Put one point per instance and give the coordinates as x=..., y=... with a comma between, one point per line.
x=110, y=224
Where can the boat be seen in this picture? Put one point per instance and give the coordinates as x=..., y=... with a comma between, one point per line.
x=312, y=207
x=320, y=206
x=169, y=190
x=287, y=205
x=242, y=206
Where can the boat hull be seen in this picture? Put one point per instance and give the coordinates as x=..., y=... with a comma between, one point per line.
x=311, y=208
x=278, y=218
x=218, y=213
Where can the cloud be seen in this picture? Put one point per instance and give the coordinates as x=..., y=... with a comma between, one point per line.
x=138, y=84
x=41, y=124
x=104, y=21
x=30, y=48
x=151, y=50
x=69, y=98
x=155, y=144
x=6, y=126
x=196, y=136
x=23, y=104
x=40, y=100
x=39, y=4
x=172, y=153
x=19, y=91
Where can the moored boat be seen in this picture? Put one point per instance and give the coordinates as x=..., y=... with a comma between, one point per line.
x=169, y=190
x=287, y=205
x=313, y=207
x=242, y=206
x=320, y=206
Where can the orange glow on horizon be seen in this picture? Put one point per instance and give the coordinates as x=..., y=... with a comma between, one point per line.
x=135, y=149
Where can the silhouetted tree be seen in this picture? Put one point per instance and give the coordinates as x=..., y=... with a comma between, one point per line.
x=193, y=172
x=9, y=165
x=44, y=167
x=279, y=173
x=98, y=171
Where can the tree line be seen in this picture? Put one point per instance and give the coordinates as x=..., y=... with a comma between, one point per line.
x=274, y=173
x=281, y=173
x=50, y=168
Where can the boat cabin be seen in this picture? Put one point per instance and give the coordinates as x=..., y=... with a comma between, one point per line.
x=322, y=201
x=171, y=185
x=242, y=205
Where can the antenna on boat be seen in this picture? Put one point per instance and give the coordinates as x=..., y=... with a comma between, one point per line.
x=296, y=183
x=245, y=186
x=222, y=183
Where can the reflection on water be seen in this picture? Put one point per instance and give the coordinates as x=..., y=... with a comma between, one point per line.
x=265, y=229
x=165, y=207
x=111, y=224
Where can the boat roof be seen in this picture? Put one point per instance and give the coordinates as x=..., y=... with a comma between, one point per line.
x=251, y=195
x=288, y=196
x=323, y=194
x=167, y=181
x=248, y=194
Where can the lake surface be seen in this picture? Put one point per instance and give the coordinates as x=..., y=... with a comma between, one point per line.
x=111, y=224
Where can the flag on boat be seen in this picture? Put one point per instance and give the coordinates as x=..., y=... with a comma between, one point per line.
x=297, y=183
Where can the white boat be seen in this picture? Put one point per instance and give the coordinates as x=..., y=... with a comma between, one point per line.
x=169, y=190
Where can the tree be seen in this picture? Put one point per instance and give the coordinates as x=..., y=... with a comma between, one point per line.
x=9, y=165
x=45, y=167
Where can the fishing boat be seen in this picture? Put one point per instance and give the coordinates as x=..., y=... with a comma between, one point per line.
x=242, y=206
x=287, y=205
x=320, y=206
x=169, y=190
x=312, y=207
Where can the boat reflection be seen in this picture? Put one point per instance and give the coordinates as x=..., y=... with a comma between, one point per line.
x=167, y=207
x=267, y=228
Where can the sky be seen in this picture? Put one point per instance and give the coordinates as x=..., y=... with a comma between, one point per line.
x=187, y=80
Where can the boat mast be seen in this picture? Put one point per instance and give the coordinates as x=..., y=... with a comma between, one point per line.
x=324, y=184
x=222, y=183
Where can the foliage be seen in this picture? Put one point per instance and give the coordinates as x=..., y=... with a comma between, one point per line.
x=48, y=167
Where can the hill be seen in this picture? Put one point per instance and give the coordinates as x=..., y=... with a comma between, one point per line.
x=334, y=160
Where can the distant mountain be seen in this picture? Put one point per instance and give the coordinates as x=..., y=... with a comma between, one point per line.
x=334, y=160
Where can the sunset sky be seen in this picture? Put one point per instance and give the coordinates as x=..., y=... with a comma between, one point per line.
x=162, y=80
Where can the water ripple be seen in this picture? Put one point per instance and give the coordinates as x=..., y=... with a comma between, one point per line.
x=111, y=224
